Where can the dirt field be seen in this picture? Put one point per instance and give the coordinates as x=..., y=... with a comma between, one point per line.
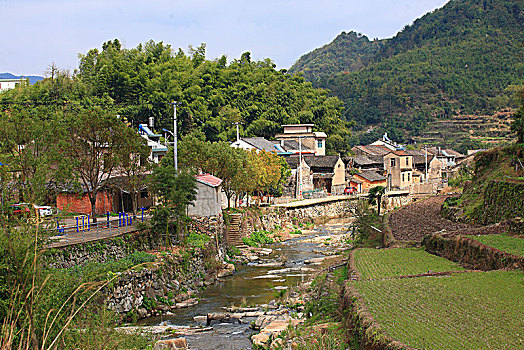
x=421, y=218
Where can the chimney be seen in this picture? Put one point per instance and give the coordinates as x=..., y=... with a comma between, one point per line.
x=151, y=123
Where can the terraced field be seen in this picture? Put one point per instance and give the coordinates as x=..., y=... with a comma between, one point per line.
x=474, y=310
x=386, y=263
x=505, y=243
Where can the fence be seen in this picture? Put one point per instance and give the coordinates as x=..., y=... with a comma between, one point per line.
x=83, y=230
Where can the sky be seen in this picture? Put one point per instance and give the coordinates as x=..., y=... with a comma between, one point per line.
x=37, y=33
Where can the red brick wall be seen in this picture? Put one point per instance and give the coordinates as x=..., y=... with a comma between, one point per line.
x=80, y=204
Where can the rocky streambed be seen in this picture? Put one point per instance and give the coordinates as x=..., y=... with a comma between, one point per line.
x=259, y=301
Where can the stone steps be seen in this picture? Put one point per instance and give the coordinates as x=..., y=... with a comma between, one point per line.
x=234, y=232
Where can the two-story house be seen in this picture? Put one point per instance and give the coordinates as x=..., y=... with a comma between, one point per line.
x=297, y=136
x=398, y=167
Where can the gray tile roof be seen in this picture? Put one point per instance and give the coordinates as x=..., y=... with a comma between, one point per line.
x=292, y=145
x=260, y=143
x=322, y=161
x=371, y=176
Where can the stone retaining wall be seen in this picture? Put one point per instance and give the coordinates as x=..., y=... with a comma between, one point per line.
x=155, y=289
x=471, y=254
x=273, y=217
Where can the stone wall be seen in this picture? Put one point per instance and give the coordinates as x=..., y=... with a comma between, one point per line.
x=471, y=254
x=272, y=217
x=102, y=250
x=156, y=289
x=395, y=201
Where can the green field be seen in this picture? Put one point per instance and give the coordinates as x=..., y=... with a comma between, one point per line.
x=386, y=263
x=475, y=310
x=508, y=244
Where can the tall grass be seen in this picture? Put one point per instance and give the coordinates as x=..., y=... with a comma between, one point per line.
x=36, y=308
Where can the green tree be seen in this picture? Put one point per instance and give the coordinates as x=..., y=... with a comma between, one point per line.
x=518, y=123
x=375, y=196
x=135, y=167
x=175, y=192
x=94, y=146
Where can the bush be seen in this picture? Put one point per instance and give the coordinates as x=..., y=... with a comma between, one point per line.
x=257, y=238
x=197, y=240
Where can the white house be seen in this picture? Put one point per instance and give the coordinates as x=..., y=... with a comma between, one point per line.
x=158, y=150
x=8, y=84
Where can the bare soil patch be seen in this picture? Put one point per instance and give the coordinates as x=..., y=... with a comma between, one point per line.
x=422, y=218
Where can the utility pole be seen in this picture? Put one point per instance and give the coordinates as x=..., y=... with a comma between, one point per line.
x=300, y=166
x=175, y=150
x=426, y=152
x=238, y=133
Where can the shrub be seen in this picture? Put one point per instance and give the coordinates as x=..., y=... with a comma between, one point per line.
x=257, y=238
x=197, y=240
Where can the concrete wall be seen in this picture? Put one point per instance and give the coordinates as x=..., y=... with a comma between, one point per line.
x=208, y=202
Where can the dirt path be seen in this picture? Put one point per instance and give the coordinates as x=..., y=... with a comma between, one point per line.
x=421, y=218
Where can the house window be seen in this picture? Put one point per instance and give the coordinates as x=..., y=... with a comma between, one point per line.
x=319, y=143
x=409, y=177
x=403, y=177
x=407, y=162
x=393, y=163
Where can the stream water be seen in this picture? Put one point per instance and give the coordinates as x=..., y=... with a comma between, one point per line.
x=253, y=285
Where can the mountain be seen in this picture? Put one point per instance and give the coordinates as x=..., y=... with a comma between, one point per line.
x=32, y=78
x=464, y=58
x=349, y=52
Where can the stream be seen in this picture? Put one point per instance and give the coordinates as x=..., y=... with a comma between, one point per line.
x=253, y=284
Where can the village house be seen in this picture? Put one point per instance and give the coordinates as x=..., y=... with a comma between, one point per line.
x=447, y=157
x=386, y=142
x=434, y=166
x=374, y=153
x=399, y=169
x=365, y=180
x=325, y=173
x=259, y=144
x=8, y=84
x=209, y=198
x=304, y=136
x=362, y=163
x=328, y=172
x=158, y=150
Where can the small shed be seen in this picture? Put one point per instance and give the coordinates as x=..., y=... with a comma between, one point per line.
x=208, y=199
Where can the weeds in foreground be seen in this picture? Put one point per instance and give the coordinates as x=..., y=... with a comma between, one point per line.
x=322, y=330
x=39, y=310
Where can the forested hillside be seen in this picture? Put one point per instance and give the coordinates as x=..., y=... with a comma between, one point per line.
x=465, y=58
x=349, y=52
x=141, y=82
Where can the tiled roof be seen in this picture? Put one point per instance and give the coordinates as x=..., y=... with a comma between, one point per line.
x=374, y=150
x=322, y=161
x=371, y=176
x=363, y=160
x=400, y=153
x=419, y=157
x=209, y=180
x=454, y=153
x=292, y=145
x=260, y=143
